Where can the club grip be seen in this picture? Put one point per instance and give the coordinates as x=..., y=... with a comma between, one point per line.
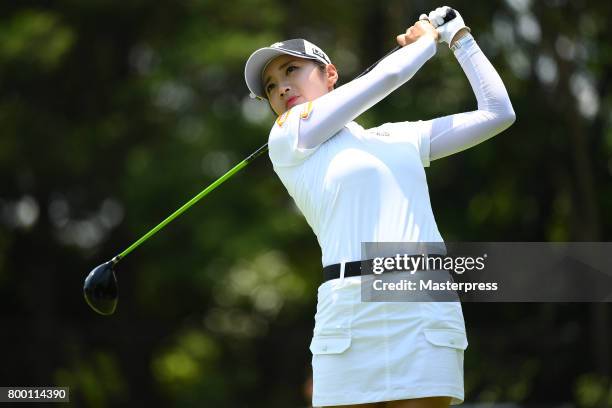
x=449, y=16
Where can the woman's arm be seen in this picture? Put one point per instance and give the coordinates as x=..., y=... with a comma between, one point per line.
x=335, y=109
x=454, y=133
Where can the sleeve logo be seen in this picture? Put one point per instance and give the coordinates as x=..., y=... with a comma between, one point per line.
x=283, y=118
x=306, y=112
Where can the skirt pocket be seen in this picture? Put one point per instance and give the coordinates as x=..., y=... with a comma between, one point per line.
x=447, y=338
x=334, y=318
x=330, y=343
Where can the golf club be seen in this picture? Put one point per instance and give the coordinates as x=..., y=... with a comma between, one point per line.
x=100, y=288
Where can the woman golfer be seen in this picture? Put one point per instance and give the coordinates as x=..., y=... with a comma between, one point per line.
x=356, y=185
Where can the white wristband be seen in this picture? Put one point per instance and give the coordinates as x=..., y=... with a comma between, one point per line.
x=461, y=42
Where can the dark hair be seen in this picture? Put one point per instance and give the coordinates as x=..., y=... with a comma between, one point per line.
x=322, y=66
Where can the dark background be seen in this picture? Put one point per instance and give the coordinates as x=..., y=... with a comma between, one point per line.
x=114, y=113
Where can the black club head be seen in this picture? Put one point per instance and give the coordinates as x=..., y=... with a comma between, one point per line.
x=100, y=288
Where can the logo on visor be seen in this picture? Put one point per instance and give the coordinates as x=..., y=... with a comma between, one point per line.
x=318, y=52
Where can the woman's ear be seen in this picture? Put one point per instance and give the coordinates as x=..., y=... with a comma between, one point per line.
x=331, y=74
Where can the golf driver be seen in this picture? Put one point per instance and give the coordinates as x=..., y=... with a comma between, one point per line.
x=100, y=288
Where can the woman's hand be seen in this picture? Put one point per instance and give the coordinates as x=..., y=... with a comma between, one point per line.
x=420, y=29
x=449, y=31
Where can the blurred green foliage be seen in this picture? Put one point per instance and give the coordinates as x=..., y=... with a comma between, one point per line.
x=113, y=114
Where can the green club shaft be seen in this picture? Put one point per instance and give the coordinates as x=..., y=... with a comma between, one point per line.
x=194, y=200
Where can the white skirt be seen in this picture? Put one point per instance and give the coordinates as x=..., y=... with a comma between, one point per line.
x=384, y=351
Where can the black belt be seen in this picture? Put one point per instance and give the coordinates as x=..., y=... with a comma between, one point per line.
x=354, y=268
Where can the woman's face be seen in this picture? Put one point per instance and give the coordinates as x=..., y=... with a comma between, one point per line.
x=289, y=81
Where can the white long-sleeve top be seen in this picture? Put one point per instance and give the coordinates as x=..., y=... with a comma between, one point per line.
x=356, y=185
